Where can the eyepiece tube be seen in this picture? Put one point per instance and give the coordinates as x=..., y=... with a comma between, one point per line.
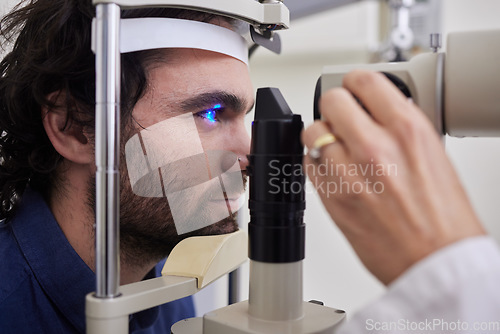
x=277, y=199
x=276, y=230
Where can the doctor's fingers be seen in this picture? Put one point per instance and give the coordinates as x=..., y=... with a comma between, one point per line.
x=365, y=140
x=392, y=127
x=350, y=122
x=383, y=100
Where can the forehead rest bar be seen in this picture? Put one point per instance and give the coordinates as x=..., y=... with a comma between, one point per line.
x=155, y=33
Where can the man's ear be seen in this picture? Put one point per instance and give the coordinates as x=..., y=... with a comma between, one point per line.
x=68, y=138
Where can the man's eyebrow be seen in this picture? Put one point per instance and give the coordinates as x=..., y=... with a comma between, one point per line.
x=210, y=99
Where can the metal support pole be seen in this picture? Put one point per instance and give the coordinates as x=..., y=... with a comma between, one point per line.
x=107, y=150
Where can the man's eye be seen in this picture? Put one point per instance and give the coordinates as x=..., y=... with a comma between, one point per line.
x=210, y=115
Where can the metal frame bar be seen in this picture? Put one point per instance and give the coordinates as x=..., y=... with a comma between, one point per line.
x=253, y=12
x=107, y=151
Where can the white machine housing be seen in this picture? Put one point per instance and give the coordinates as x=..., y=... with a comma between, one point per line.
x=459, y=91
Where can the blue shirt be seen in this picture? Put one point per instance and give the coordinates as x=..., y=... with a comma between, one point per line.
x=43, y=281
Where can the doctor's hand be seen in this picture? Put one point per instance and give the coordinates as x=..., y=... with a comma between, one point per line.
x=386, y=180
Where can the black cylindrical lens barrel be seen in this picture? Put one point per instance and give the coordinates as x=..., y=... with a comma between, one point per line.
x=277, y=197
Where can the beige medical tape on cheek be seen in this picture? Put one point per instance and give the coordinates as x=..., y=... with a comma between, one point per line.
x=155, y=33
x=167, y=160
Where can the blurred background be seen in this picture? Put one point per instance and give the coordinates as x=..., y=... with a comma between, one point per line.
x=329, y=32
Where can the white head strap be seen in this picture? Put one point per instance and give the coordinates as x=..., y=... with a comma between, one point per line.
x=154, y=33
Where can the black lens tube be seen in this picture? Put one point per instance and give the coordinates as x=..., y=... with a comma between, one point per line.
x=277, y=197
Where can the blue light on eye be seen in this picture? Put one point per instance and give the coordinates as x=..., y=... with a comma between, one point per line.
x=210, y=114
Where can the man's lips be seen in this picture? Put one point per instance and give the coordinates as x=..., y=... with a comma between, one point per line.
x=235, y=203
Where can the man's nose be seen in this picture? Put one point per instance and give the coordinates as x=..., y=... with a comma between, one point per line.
x=238, y=142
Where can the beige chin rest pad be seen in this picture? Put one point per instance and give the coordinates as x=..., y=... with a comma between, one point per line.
x=207, y=258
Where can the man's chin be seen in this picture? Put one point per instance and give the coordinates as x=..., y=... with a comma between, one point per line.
x=225, y=226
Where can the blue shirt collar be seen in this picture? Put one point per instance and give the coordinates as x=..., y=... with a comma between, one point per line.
x=62, y=274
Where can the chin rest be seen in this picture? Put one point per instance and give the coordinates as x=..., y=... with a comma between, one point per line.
x=207, y=258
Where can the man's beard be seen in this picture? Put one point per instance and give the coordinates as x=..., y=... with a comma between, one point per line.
x=147, y=230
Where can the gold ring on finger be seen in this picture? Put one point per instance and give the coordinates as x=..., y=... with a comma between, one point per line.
x=320, y=142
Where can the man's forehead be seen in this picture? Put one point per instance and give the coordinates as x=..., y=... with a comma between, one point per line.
x=191, y=80
x=209, y=75
x=181, y=55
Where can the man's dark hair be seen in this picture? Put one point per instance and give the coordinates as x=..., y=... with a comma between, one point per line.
x=50, y=53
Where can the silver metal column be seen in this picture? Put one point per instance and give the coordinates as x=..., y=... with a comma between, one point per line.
x=107, y=150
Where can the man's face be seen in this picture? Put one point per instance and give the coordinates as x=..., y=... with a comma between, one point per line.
x=213, y=92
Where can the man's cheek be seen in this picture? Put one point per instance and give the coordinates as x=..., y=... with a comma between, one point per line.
x=202, y=187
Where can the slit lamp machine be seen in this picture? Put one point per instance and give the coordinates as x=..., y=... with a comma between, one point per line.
x=440, y=84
